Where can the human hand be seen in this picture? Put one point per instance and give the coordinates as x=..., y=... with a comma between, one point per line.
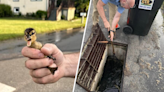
x=111, y=35
x=107, y=25
x=37, y=63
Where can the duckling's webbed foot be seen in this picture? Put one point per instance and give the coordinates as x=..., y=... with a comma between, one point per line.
x=50, y=68
x=51, y=57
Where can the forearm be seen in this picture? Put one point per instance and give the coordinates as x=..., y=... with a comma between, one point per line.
x=101, y=11
x=115, y=21
x=71, y=62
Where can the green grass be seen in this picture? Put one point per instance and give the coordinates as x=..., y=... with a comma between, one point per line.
x=12, y=28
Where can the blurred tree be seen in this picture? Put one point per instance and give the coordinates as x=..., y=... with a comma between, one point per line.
x=66, y=3
x=82, y=5
x=5, y=10
x=41, y=13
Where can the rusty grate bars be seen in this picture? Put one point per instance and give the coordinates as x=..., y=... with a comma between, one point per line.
x=91, y=58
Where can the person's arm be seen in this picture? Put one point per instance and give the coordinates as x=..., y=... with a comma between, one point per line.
x=100, y=9
x=37, y=63
x=71, y=65
x=101, y=12
x=115, y=20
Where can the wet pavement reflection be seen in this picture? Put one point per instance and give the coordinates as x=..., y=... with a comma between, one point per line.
x=12, y=48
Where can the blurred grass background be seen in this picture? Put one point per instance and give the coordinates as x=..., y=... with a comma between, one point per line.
x=14, y=27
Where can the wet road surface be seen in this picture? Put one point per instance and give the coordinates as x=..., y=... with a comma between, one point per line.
x=66, y=40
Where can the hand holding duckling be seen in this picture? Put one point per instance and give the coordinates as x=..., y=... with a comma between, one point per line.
x=37, y=63
x=30, y=38
x=67, y=63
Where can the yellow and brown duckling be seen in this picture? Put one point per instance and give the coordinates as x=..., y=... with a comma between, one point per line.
x=30, y=38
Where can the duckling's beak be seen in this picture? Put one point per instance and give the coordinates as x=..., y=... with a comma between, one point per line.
x=28, y=41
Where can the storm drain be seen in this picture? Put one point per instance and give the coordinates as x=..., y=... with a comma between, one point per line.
x=91, y=57
x=112, y=77
x=94, y=58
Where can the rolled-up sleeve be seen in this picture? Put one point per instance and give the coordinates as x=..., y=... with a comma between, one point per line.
x=120, y=9
x=105, y=1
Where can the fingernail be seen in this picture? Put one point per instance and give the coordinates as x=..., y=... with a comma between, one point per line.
x=52, y=66
x=41, y=55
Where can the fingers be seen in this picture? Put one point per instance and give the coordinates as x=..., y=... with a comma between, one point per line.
x=32, y=53
x=44, y=80
x=111, y=36
x=39, y=73
x=52, y=65
x=49, y=49
x=38, y=63
x=47, y=79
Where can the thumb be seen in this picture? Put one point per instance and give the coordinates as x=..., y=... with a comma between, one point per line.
x=53, y=65
x=111, y=37
x=51, y=49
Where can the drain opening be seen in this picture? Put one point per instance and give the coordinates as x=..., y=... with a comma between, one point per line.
x=111, y=80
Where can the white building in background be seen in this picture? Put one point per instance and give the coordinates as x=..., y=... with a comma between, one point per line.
x=26, y=6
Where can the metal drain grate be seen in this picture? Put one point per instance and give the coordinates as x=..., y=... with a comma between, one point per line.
x=91, y=58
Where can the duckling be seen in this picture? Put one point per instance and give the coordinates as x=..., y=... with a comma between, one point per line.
x=30, y=38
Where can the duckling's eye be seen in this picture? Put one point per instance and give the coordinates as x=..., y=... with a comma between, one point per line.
x=31, y=34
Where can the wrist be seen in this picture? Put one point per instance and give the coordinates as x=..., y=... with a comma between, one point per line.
x=113, y=28
x=105, y=20
x=70, y=66
x=111, y=31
